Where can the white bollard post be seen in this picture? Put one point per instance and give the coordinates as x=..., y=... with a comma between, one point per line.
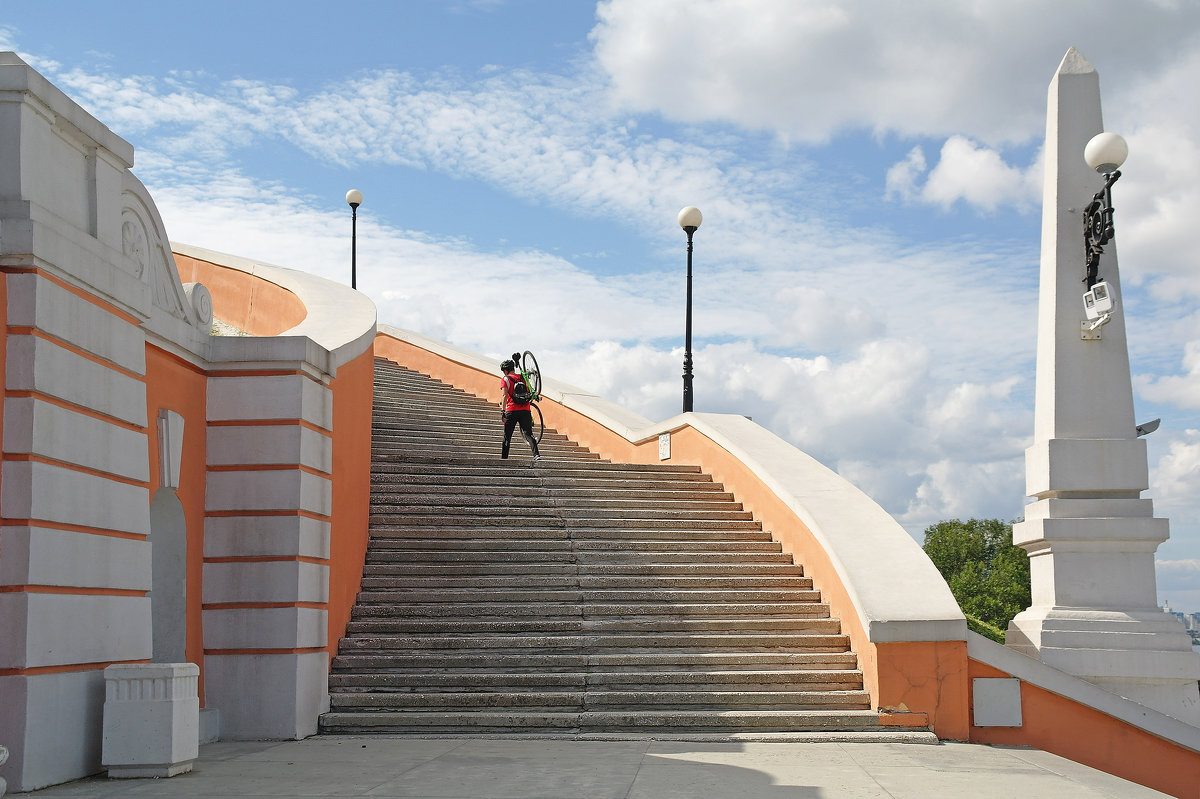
x=151, y=719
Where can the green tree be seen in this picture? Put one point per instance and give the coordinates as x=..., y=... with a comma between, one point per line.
x=987, y=574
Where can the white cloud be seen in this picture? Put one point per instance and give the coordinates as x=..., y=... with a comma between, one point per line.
x=1182, y=391
x=979, y=176
x=950, y=489
x=904, y=176
x=965, y=171
x=1178, y=583
x=1176, y=478
x=1188, y=568
x=808, y=69
x=1159, y=190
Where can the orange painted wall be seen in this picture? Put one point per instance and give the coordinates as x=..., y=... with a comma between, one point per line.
x=176, y=385
x=259, y=307
x=353, y=392
x=925, y=677
x=1085, y=735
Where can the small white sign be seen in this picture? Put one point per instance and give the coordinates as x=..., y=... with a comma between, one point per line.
x=997, y=702
x=664, y=447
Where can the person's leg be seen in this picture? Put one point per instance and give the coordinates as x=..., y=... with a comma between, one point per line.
x=526, y=421
x=510, y=423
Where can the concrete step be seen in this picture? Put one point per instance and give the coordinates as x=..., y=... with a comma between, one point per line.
x=819, y=621
x=599, y=642
x=434, y=493
x=537, y=582
x=461, y=571
x=656, y=700
x=588, y=596
x=633, y=663
x=501, y=610
x=631, y=557
x=637, y=720
x=622, y=503
x=487, y=524
x=815, y=679
x=467, y=428
x=551, y=475
x=469, y=462
x=458, y=529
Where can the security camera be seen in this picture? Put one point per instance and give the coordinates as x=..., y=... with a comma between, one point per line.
x=1098, y=301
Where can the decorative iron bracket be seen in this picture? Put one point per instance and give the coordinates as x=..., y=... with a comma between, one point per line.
x=1098, y=227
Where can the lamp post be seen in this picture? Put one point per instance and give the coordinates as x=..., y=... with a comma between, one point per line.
x=354, y=198
x=1104, y=153
x=689, y=220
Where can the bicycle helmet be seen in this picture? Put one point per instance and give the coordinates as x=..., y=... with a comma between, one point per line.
x=508, y=366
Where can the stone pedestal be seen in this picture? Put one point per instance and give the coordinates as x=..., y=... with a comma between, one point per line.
x=151, y=719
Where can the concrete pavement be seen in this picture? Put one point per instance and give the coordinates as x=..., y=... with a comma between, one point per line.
x=478, y=768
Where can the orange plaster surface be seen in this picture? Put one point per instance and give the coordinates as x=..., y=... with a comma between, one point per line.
x=247, y=302
x=178, y=386
x=470, y=380
x=353, y=392
x=926, y=677
x=1086, y=735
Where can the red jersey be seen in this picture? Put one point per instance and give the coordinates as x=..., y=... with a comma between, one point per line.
x=510, y=381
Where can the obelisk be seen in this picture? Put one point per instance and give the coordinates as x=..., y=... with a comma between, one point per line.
x=1090, y=535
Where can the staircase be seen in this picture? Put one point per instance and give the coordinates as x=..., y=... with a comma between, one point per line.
x=575, y=597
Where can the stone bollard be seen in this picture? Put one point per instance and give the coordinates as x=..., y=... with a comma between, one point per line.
x=151, y=719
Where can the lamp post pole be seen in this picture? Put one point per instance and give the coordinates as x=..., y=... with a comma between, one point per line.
x=354, y=199
x=689, y=220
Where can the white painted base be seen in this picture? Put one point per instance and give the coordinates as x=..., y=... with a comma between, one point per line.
x=153, y=771
x=1145, y=656
x=50, y=724
x=210, y=725
x=268, y=696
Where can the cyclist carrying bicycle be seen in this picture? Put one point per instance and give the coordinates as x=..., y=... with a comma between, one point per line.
x=514, y=409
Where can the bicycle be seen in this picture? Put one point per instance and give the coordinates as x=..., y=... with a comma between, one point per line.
x=527, y=365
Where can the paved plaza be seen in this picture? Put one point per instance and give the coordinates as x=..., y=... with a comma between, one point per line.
x=482, y=768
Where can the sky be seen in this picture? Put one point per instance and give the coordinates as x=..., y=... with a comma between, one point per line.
x=865, y=277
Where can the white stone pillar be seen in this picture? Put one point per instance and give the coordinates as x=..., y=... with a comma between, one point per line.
x=1091, y=538
x=151, y=719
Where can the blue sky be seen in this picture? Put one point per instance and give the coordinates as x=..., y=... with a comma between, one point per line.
x=869, y=173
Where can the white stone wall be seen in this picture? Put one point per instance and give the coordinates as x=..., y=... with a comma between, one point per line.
x=91, y=283
x=74, y=484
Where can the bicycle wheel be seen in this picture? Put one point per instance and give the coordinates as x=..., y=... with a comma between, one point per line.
x=529, y=365
x=538, y=425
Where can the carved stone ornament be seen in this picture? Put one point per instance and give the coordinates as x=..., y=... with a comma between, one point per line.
x=133, y=242
x=201, y=301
